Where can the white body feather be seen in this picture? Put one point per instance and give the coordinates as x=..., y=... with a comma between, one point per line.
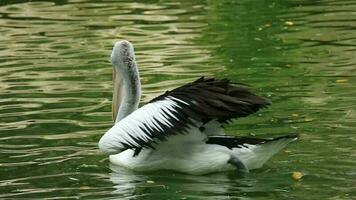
x=134, y=125
x=190, y=154
x=183, y=153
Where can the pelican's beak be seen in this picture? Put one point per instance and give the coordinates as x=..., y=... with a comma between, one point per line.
x=116, y=98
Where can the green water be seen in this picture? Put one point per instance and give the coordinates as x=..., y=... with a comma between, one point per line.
x=55, y=92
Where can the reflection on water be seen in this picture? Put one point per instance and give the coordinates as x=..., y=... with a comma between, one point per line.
x=167, y=185
x=55, y=90
x=170, y=185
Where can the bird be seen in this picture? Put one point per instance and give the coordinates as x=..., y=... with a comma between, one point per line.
x=183, y=129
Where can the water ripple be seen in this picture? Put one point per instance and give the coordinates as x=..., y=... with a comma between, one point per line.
x=55, y=92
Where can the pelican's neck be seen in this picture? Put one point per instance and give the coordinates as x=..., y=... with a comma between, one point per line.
x=130, y=94
x=127, y=86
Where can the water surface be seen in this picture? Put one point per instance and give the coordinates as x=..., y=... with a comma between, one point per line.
x=55, y=93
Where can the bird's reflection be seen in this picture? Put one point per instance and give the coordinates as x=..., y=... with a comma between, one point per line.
x=172, y=185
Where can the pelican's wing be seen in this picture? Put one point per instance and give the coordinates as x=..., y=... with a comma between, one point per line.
x=176, y=112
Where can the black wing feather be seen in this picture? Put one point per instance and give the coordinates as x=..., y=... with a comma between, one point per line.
x=210, y=98
x=238, y=142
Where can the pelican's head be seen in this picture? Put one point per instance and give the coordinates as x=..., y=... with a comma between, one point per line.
x=125, y=78
x=123, y=56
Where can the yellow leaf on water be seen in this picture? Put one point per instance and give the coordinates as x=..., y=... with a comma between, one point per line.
x=289, y=23
x=295, y=115
x=297, y=176
x=308, y=119
x=150, y=181
x=341, y=81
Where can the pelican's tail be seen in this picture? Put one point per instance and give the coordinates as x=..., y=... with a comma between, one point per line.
x=252, y=153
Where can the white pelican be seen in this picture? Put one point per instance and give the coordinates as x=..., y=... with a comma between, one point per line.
x=181, y=130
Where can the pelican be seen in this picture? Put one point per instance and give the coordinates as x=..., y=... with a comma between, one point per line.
x=182, y=129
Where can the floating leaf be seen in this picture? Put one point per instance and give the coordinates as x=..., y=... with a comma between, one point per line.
x=297, y=176
x=84, y=187
x=289, y=23
x=341, y=81
x=308, y=119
